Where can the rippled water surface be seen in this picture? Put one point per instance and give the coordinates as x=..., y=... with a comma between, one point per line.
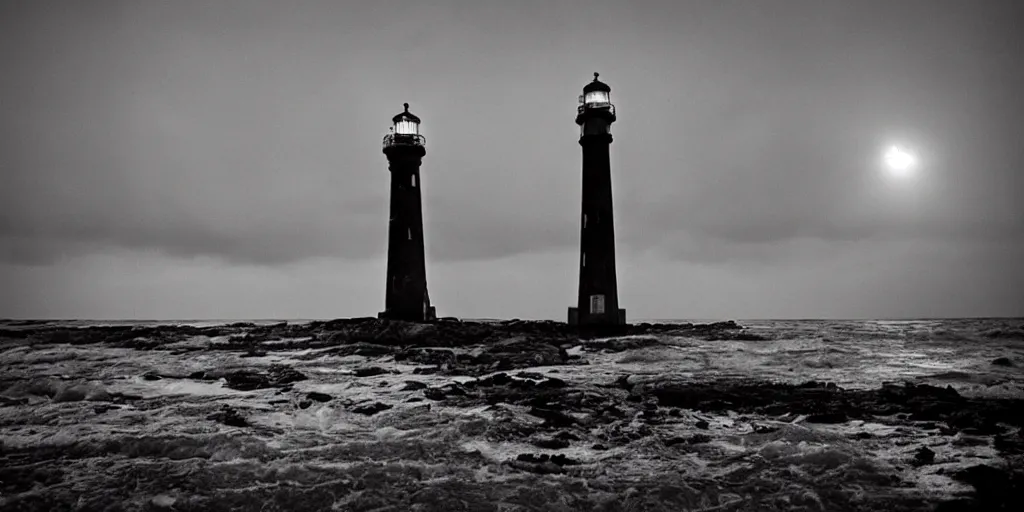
x=105, y=426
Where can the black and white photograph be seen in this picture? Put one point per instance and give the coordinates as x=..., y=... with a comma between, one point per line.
x=512, y=255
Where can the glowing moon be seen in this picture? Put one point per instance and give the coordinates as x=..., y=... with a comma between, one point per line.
x=899, y=162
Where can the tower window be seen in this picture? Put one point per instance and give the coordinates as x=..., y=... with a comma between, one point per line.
x=584, y=259
x=584, y=221
x=410, y=233
x=413, y=181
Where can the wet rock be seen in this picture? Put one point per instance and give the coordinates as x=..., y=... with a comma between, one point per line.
x=1009, y=445
x=435, y=394
x=553, y=417
x=360, y=348
x=543, y=468
x=552, y=383
x=743, y=336
x=567, y=436
x=995, y=488
x=319, y=397
x=369, y=371
x=248, y=380
x=498, y=379
x=1002, y=361
x=413, y=385
x=694, y=439
x=562, y=460
x=443, y=392
x=615, y=345
x=550, y=443
x=824, y=404
x=229, y=416
x=71, y=394
x=530, y=375
x=431, y=356
x=923, y=456
x=370, y=409
x=81, y=392
x=519, y=352
x=7, y=402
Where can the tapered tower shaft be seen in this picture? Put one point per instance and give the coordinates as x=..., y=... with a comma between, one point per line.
x=598, y=299
x=406, y=296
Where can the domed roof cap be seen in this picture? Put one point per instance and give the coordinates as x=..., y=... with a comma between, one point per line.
x=596, y=85
x=406, y=116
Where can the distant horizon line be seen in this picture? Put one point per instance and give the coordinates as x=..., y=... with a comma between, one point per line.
x=490, y=319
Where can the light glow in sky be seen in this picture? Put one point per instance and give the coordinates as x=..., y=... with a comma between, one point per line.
x=900, y=162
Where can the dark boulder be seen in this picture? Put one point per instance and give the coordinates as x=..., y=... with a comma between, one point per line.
x=248, y=380
x=413, y=385
x=319, y=397
x=370, y=409
x=923, y=456
x=229, y=416
x=370, y=371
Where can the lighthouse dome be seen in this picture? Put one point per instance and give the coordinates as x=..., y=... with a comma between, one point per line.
x=596, y=85
x=406, y=123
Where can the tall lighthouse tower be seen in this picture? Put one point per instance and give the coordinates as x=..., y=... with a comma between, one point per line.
x=598, y=302
x=406, y=297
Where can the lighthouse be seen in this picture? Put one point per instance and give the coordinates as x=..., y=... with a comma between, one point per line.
x=406, y=297
x=598, y=301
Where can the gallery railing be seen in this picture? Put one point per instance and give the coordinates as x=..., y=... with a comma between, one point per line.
x=596, y=106
x=402, y=139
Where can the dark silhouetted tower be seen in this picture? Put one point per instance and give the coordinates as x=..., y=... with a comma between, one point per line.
x=598, y=303
x=406, y=297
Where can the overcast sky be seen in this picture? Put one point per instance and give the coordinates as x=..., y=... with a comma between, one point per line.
x=221, y=159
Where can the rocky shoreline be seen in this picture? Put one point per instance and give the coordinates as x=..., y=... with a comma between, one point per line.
x=473, y=414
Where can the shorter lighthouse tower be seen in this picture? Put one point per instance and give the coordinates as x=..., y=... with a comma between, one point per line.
x=598, y=302
x=406, y=297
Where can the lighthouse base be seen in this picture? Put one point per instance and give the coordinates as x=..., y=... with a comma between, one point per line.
x=429, y=315
x=596, y=320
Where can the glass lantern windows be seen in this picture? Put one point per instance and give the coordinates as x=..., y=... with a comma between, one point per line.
x=407, y=127
x=596, y=97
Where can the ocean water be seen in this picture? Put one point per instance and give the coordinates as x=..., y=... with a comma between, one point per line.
x=69, y=443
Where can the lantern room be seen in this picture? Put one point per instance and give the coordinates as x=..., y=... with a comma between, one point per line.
x=595, y=112
x=596, y=93
x=405, y=130
x=406, y=123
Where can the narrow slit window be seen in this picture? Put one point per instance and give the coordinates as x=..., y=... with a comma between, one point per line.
x=413, y=181
x=410, y=233
x=584, y=221
x=584, y=259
